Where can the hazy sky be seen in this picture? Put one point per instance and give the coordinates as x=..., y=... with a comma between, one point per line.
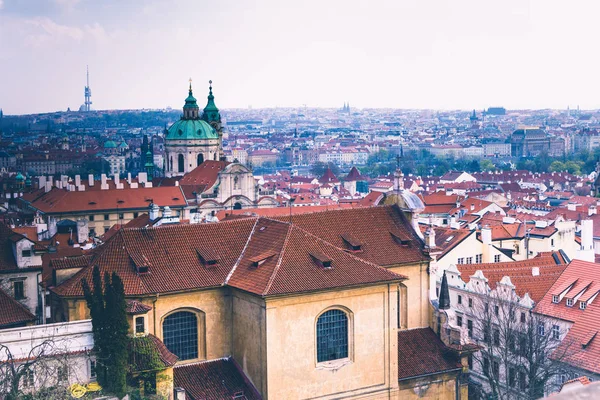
x=444, y=54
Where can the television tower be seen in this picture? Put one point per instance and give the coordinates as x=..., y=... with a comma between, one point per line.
x=87, y=105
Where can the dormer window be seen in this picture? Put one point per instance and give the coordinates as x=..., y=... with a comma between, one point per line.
x=260, y=259
x=555, y=299
x=321, y=259
x=569, y=302
x=401, y=239
x=582, y=305
x=352, y=243
x=207, y=258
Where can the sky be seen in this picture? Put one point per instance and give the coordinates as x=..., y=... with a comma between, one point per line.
x=429, y=54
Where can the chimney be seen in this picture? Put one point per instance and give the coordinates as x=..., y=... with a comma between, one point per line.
x=167, y=212
x=41, y=182
x=430, y=237
x=48, y=186
x=179, y=393
x=486, y=235
x=142, y=177
x=153, y=212
x=91, y=180
x=486, y=239
x=472, y=206
x=118, y=184
x=77, y=181
x=129, y=178
x=103, y=183
x=82, y=230
x=592, y=210
x=587, y=234
x=52, y=226
x=535, y=271
x=571, y=206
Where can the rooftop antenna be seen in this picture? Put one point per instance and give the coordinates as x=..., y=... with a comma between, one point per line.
x=87, y=105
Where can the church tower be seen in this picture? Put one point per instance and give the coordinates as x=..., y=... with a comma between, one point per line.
x=193, y=139
x=211, y=115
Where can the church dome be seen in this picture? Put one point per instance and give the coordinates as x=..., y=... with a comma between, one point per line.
x=110, y=145
x=191, y=129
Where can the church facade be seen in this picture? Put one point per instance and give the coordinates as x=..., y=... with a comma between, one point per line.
x=195, y=138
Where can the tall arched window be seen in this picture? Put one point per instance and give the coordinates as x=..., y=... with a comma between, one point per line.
x=181, y=163
x=332, y=335
x=200, y=158
x=171, y=163
x=180, y=334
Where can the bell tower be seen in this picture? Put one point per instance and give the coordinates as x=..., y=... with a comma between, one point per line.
x=211, y=115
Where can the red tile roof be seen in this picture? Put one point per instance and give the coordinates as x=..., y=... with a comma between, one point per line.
x=421, y=352
x=571, y=278
x=12, y=312
x=136, y=307
x=295, y=263
x=328, y=177
x=214, y=380
x=175, y=255
x=373, y=227
x=581, y=346
x=520, y=273
x=202, y=178
x=353, y=175
x=61, y=201
x=279, y=211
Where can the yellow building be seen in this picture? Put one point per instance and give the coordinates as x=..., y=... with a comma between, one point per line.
x=333, y=305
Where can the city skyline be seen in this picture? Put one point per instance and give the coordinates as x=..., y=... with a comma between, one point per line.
x=412, y=55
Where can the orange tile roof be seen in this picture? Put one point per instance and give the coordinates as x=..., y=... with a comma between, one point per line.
x=581, y=346
x=173, y=254
x=575, y=273
x=520, y=273
x=61, y=201
x=12, y=312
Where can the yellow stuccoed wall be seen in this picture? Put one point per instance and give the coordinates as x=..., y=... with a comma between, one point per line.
x=417, y=304
x=292, y=370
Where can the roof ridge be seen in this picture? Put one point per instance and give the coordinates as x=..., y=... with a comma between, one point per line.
x=230, y=274
x=279, y=260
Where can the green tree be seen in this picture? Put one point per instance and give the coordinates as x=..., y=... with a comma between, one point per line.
x=109, y=325
x=487, y=165
x=557, y=166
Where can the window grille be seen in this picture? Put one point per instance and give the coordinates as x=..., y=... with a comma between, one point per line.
x=180, y=334
x=332, y=336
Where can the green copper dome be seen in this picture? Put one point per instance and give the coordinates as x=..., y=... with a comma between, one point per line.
x=191, y=129
x=20, y=176
x=110, y=145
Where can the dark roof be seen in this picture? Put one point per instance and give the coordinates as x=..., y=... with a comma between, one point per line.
x=174, y=257
x=214, y=380
x=12, y=312
x=328, y=177
x=421, y=352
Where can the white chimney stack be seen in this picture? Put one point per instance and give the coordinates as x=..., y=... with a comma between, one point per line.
x=592, y=210
x=586, y=252
x=142, y=177
x=91, y=180
x=77, y=181
x=535, y=271
x=103, y=183
x=153, y=212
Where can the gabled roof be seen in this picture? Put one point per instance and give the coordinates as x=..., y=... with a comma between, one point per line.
x=202, y=178
x=293, y=261
x=214, y=380
x=259, y=255
x=12, y=312
x=353, y=175
x=421, y=352
x=577, y=274
x=328, y=177
x=520, y=274
x=61, y=201
x=581, y=345
x=372, y=227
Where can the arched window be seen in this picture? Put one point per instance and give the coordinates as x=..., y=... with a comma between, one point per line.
x=215, y=156
x=332, y=335
x=180, y=334
x=171, y=164
x=180, y=163
x=237, y=206
x=200, y=158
